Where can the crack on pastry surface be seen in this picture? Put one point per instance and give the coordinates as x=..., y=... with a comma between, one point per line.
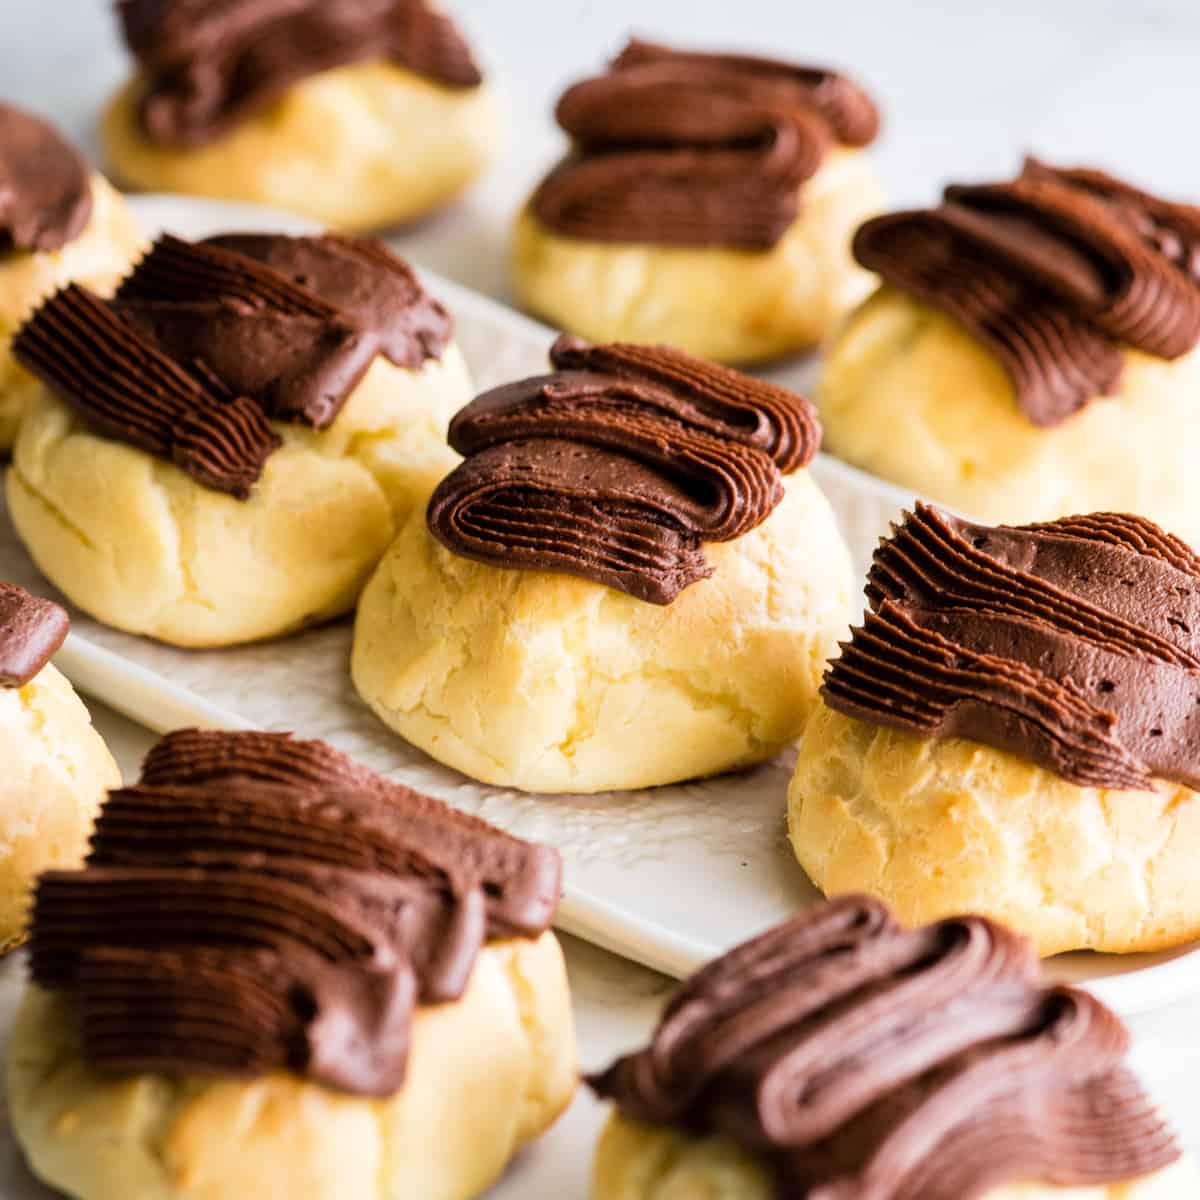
x=45, y=186
x=853, y=1056
x=1074, y=644
x=258, y=903
x=210, y=64
x=31, y=632
x=1052, y=272
x=205, y=343
x=690, y=149
x=619, y=467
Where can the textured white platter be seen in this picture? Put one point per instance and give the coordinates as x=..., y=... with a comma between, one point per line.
x=668, y=877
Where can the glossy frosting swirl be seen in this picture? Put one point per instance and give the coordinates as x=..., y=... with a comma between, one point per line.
x=687, y=149
x=619, y=466
x=31, y=632
x=210, y=64
x=45, y=188
x=206, y=343
x=1053, y=272
x=859, y=1059
x=1075, y=644
x=257, y=903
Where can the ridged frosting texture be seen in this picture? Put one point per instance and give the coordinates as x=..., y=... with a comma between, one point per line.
x=45, y=186
x=210, y=64
x=258, y=903
x=1074, y=644
x=31, y=631
x=1054, y=272
x=206, y=343
x=856, y=1058
x=619, y=467
x=680, y=148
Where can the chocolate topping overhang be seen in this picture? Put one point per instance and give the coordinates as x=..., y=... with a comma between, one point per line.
x=45, y=186
x=1074, y=644
x=854, y=1057
x=619, y=467
x=210, y=64
x=687, y=149
x=31, y=631
x=1053, y=273
x=206, y=343
x=257, y=903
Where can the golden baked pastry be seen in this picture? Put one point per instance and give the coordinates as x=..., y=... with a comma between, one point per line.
x=357, y=123
x=556, y=622
x=725, y=234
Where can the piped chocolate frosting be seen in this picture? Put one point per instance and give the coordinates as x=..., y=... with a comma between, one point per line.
x=210, y=64
x=1054, y=273
x=1075, y=644
x=854, y=1057
x=619, y=467
x=206, y=343
x=257, y=903
x=686, y=149
x=45, y=188
x=31, y=631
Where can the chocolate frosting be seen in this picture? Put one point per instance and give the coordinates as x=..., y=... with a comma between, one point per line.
x=857, y=1058
x=1053, y=272
x=45, y=187
x=210, y=64
x=206, y=343
x=31, y=631
x=1075, y=644
x=687, y=149
x=257, y=903
x=619, y=467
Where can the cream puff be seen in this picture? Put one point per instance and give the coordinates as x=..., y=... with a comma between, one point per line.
x=360, y=115
x=841, y=1055
x=630, y=581
x=279, y=974
x=56, y=766
x=708, y=202
x=1013, y=731
x=58, y=222
x=1036, y=342
x=223, y=451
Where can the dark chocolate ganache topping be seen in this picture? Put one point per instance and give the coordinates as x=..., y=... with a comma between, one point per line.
x=1075, y=644
x=210, y=64
x=257, y=903
x=31, y=631
x=206, y=343
x=1054, y=273
x=856, y=1058
x=619, y=467
x=687, y=149
x=45, y=188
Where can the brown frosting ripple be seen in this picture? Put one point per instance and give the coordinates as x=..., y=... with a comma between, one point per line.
x=1053, y=272
x=257, y=903
x=619, y=467
x=45, y=188
x=206, y=343
x=210, y=64
x=1075, y=644
x=857, y=1058
x=687, y=149
x=31, y=632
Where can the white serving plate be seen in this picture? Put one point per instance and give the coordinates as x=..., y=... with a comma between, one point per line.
x=670, y=876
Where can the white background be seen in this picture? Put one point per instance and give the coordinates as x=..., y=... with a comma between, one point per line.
x=967, y=87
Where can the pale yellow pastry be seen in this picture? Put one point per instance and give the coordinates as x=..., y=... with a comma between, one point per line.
x=641, y=1162
x=731, y=305
x=556, y=684
x=486, y=1075
x=362, y=147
